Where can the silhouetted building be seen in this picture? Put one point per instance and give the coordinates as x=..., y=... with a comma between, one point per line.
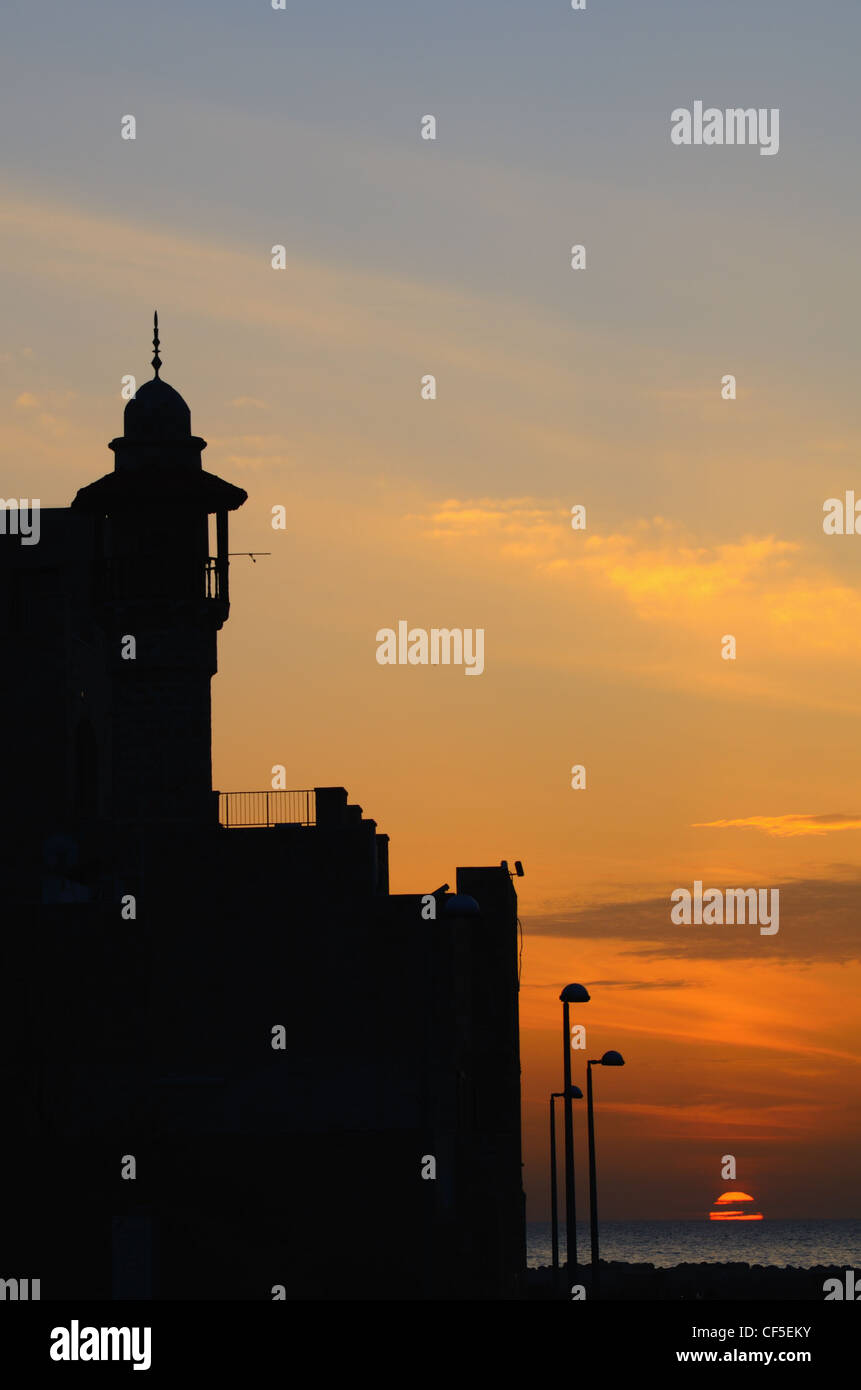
x=158, y=938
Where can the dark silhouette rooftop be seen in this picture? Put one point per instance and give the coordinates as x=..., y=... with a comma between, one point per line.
x=178, y=987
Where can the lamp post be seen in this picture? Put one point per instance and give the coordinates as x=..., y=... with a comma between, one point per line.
x=610, y=1059
x=576, y=1094
x=571, y=994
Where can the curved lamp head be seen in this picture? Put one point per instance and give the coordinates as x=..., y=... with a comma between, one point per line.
x=575, y=1093
x=575, y=994
x=612, y=1059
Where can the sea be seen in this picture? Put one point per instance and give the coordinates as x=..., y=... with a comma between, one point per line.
x=801, y=1244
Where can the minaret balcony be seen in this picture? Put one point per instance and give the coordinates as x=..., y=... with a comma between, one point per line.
x=138, y=579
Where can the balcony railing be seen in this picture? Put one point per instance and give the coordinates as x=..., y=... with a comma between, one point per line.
x=267, y=808
x=213, y=579
x=171, y=577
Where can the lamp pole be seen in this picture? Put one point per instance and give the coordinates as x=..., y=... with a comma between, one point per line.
x=576, y=994
x=576, y=1094
x=593, y=1194
x=610, y=1059
x=554, y=1203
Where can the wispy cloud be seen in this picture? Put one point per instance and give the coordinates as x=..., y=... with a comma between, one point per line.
x=818, y=922
x=657, y=584
x=320, y=304
x=638, y=984
x=721, y=1119
x=652, y=562
x=786, y=825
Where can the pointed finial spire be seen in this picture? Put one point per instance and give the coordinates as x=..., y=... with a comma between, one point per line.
x=156, y=361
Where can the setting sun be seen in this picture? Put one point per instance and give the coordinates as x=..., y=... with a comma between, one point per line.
x=734, y=1204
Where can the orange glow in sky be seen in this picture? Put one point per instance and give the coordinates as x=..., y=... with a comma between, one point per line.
x=603, y=646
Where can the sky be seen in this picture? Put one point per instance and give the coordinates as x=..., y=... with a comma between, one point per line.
x=555, y=387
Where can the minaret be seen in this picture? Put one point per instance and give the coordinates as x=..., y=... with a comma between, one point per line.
x=160, y=597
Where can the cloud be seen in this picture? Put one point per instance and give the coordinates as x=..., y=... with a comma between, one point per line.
x=720, y=1119
x=818, y=922
x=251, y=451
x=660, y=569
x=656, y=598
x=652, y=562
x=655, y=576
x=786, y=825
x=26, y=399
x=325, y=306
x=58, y=429
x=639, y=984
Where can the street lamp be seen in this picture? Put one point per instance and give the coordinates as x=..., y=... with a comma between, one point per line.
x=571, y=994
x=610, y=1059
x=576, y=1094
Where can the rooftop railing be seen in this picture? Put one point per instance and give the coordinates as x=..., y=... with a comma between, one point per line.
x=267, y=808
